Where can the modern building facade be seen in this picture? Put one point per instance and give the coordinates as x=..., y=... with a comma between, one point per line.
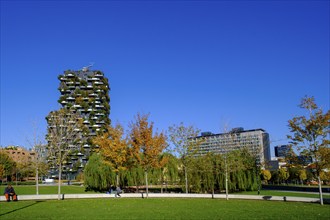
x=24, y=160
x=282, y=150
x=20, y=155
x=256, y=141
x=85, y=93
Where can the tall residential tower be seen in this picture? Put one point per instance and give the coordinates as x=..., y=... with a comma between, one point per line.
x=85, y=93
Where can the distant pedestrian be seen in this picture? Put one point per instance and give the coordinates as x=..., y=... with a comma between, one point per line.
x=10, y=192
x=118, y=191
x=111, y=189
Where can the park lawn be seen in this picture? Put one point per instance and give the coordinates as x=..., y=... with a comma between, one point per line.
x=44, y=189
x=284, y=193
x=73, y=189
x=152, y=208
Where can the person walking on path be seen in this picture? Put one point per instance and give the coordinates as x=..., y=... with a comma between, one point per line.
x=118, y=191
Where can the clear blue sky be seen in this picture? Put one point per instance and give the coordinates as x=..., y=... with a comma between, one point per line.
x=205, y=63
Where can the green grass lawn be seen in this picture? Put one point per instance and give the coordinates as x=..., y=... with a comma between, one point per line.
x=151, y=208
x=65, y=189
x=284, y=193
x=31, y=190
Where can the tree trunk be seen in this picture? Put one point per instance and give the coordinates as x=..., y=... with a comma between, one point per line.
x=320, y=189
x=186, y=178
x=146, y=175
x=117, y=179
x=226, y=167
x=59, y=181
x=37, y=181
x=162, y=181
x=137, y=185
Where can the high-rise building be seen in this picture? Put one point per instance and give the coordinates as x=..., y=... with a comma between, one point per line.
x=85, y=93
x=282, y=150
x=256, y=141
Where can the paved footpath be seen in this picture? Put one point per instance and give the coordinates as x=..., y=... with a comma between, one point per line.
x=166, y=195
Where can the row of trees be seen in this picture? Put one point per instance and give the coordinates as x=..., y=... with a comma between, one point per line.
x=203, y=174
x=141, y=156
x=145, y=152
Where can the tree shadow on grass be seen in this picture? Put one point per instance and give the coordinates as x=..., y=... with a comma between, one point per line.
x=6, y=213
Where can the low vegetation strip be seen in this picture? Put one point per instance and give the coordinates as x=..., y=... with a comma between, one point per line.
x=161, y=208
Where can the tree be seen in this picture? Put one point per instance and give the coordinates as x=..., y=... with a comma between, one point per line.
x=225, y=147
x=7, y=165
x=184, y=146
x=23, y=169
x=98, y=174
x=38, y=162
x=113, y=147
x=302, y=174
x=64, y=133
x=311, y=133
x=283, y=174
x=266, y=175
x=169, y=171
x=147, y=146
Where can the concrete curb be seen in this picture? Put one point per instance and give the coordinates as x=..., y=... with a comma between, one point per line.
x=164, y=195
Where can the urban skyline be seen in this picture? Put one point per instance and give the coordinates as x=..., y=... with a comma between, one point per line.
x=208, y=64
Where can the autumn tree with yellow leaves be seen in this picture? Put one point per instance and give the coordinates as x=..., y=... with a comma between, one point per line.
x=146, y=146
x=113, y=147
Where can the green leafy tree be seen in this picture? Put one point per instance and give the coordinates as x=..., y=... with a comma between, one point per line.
x=98, y=175
x=311, y=133
x=302, y=174
x=283, y=174
x=7, y=165
x=266, y=175
x=134, y=173
x=169, y=170
x=184, y=146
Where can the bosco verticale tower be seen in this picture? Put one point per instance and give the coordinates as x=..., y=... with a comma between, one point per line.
x=85, y=93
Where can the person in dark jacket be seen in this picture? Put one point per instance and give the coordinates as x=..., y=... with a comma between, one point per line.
x=10, y=192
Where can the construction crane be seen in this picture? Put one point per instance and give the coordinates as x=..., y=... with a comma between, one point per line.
x=86, y=68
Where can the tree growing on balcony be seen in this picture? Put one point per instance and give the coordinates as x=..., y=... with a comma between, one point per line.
x=64, y=132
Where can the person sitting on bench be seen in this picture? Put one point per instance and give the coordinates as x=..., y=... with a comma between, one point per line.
x=10, y=192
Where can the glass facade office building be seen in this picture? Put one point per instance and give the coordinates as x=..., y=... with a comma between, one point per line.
x=256, y=141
